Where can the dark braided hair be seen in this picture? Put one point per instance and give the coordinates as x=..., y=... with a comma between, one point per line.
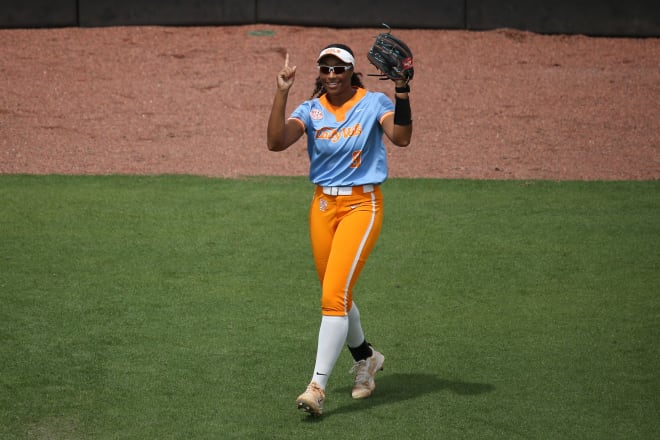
x=356, y=77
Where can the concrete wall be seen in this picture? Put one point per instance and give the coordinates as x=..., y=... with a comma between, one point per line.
x=634, y=18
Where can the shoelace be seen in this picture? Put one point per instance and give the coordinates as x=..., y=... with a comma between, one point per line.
x=361, y=370
x=315, y=389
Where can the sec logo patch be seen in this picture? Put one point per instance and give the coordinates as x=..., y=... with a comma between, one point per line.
x=316, y=114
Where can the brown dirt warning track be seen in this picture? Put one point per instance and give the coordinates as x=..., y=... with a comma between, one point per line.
x=500, y=104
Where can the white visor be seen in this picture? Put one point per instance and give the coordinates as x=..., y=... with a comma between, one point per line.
x=342, y=54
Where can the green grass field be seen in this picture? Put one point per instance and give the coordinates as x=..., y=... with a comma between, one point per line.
x=181, y=307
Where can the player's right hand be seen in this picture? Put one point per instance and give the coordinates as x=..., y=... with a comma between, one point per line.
x=286, y=76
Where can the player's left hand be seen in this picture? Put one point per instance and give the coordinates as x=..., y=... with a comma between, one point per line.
x=393, y=58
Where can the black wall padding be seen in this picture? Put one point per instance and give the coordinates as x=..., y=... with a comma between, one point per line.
x=38, y=13
x=617, y=18
x=591, y=17
x=435, y=14
x=166, y=12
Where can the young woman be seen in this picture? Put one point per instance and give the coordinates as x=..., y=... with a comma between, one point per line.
x=344, y=124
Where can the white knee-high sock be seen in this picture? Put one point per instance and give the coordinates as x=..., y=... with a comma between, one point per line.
x=355, y=333
x=332, y=337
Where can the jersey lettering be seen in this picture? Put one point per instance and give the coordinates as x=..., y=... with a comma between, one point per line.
x=335, y=135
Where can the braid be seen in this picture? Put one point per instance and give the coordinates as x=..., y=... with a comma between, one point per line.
x=356, y=80
x=318, y=89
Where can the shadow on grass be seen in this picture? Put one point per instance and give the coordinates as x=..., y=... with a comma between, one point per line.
x=406, y=386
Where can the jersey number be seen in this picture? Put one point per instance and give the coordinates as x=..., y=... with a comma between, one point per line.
x=357, y=159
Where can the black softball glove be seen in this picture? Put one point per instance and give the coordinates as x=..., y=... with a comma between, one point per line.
x=392, y=57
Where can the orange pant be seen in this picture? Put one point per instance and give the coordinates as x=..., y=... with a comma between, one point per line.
x=343, y=231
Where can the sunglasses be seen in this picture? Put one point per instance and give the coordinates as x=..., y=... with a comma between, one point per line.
x=334, y=69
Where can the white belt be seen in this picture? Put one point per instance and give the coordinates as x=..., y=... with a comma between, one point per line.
x=346, y=190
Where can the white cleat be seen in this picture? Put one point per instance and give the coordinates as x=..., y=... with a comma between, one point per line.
x=365, y=370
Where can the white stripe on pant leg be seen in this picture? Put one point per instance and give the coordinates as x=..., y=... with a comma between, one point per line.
x=365, y=237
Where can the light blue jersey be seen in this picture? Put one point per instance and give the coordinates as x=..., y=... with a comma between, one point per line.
x=345, y=144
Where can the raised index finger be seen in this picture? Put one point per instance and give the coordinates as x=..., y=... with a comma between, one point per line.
x=286, y=60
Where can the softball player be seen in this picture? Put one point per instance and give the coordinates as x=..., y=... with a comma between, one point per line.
x=344, y=124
